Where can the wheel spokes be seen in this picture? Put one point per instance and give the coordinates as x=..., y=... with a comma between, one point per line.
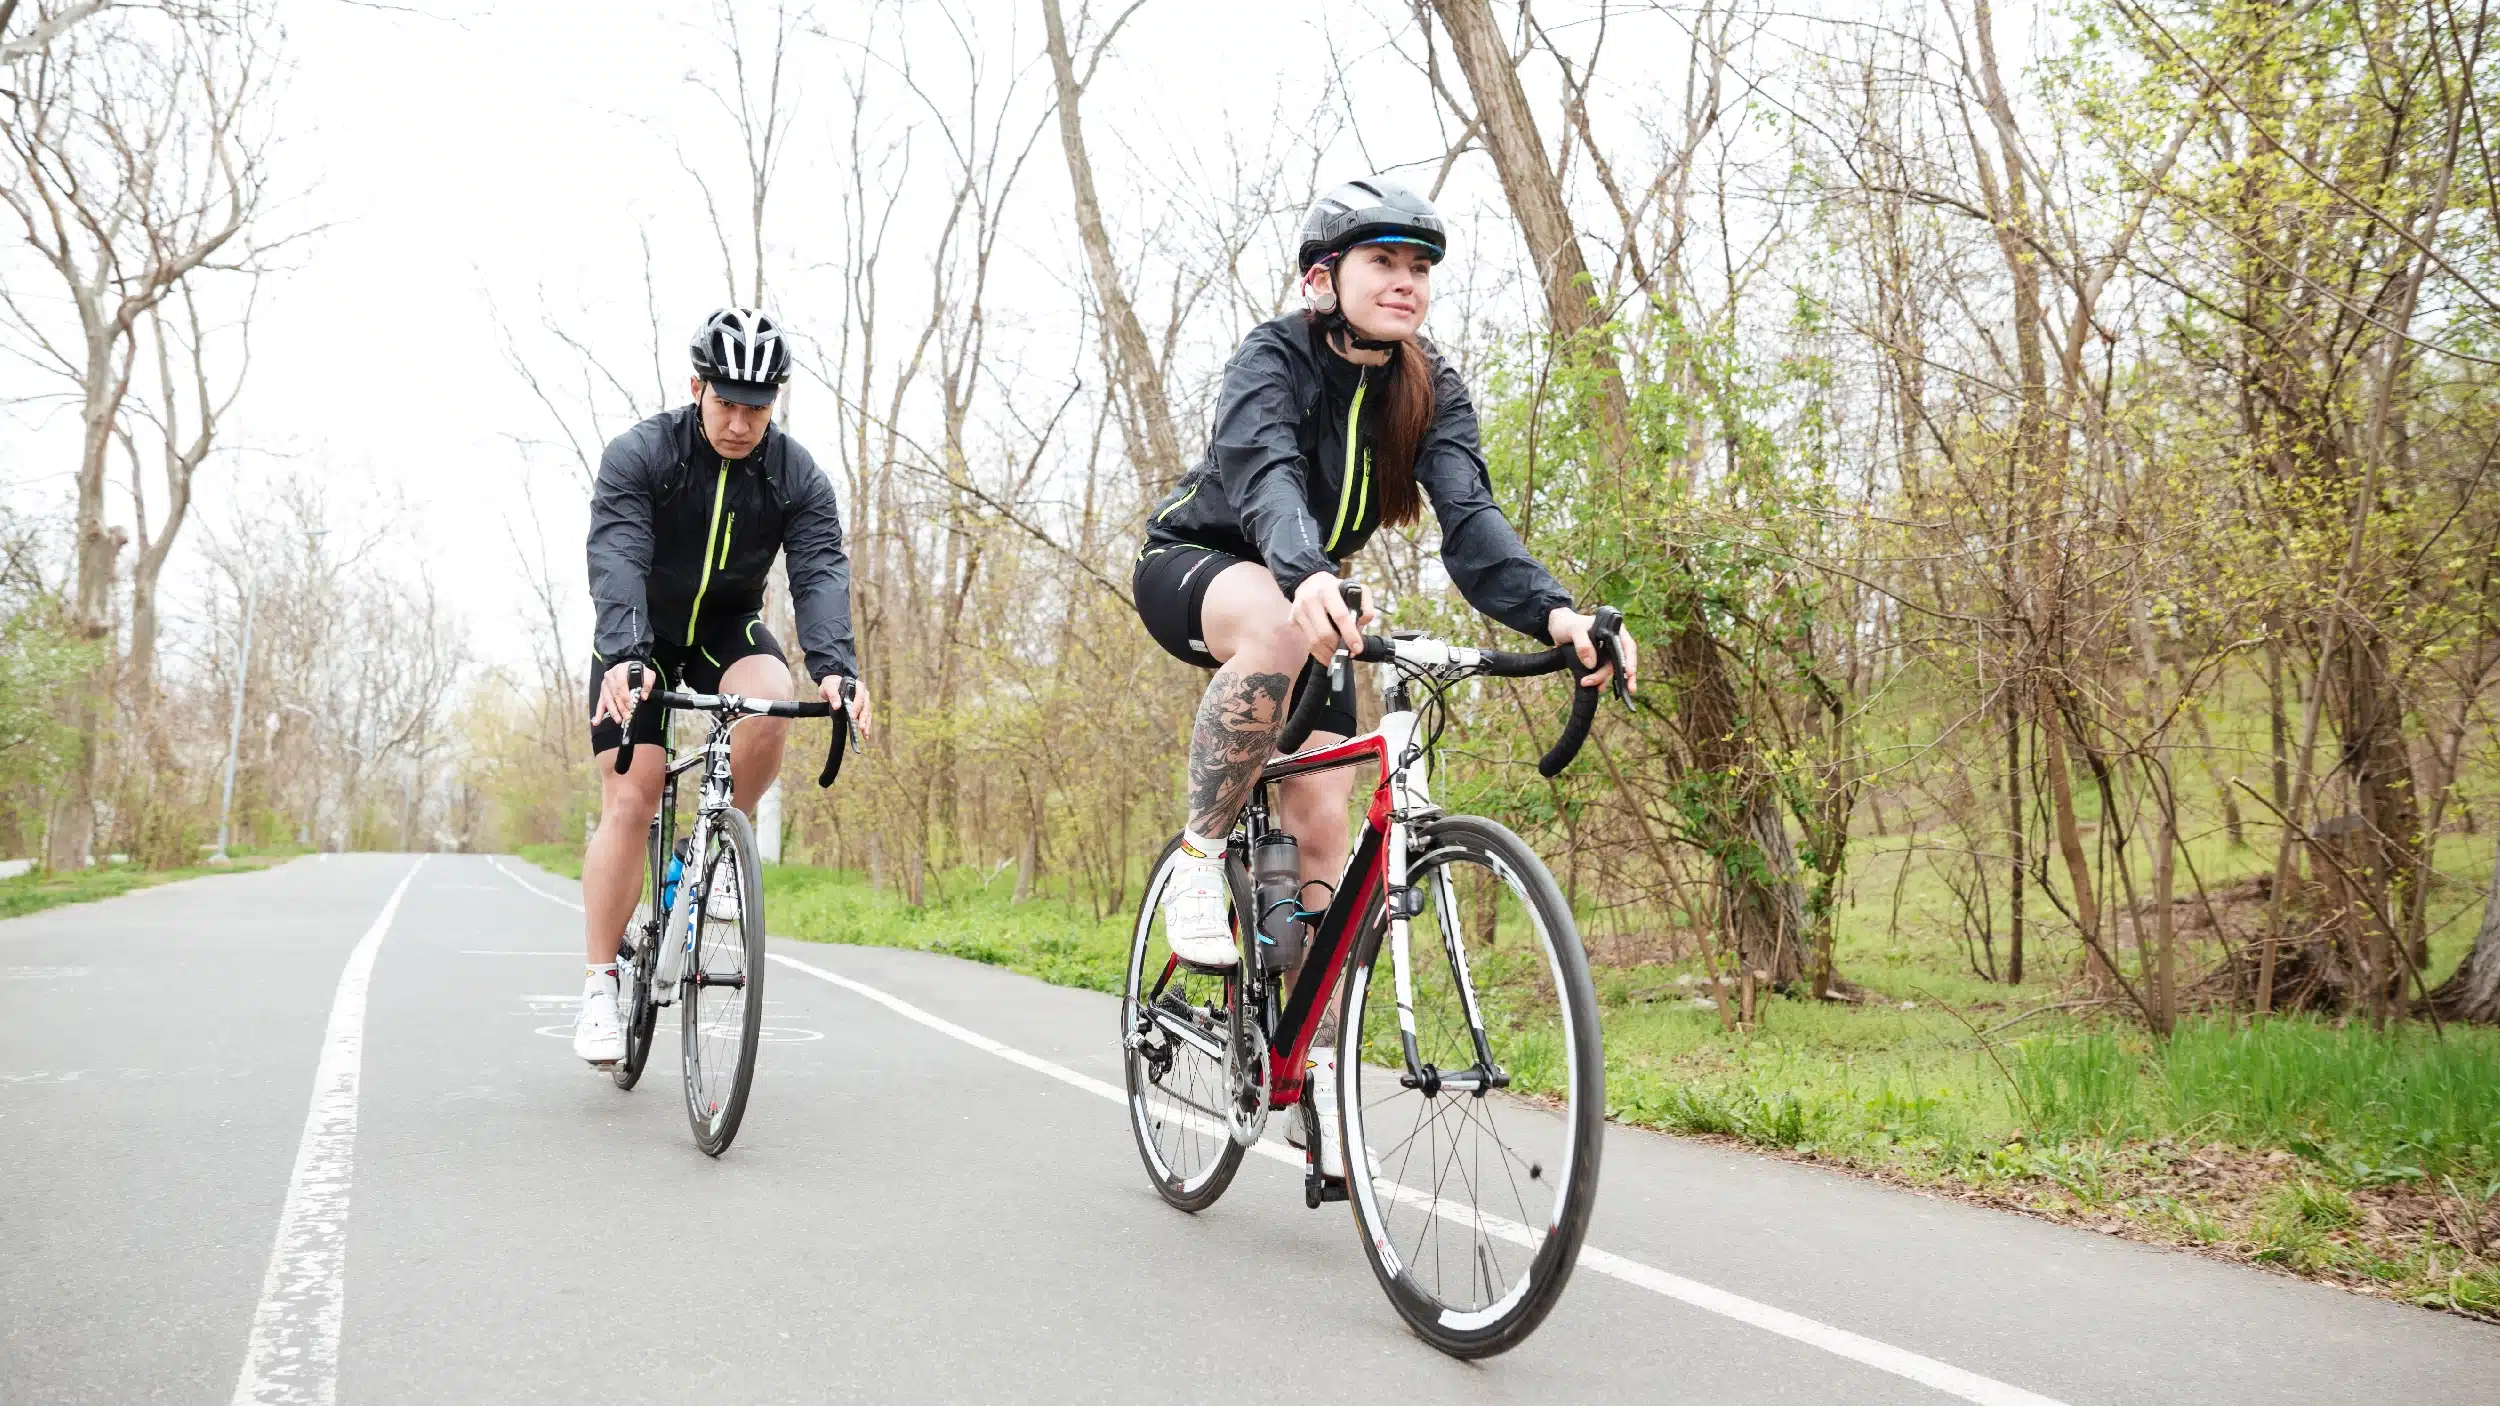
x=1474, y=1171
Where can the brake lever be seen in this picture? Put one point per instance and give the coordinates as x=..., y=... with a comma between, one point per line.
x=1608, y=632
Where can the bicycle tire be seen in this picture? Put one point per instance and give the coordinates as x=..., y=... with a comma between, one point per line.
x=1382, y=1200
x=635, y=1012
x=1166, y=1121
x=713, y=1026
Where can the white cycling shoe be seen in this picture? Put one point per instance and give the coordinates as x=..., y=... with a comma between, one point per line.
x=1319, y=1085
x=1196, y=916
x=721, y=904
x=598, y=1034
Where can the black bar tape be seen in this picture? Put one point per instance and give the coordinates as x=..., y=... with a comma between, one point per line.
x=1584, y=701
x=1306, y=710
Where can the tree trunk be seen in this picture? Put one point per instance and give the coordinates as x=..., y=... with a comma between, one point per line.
x=1756, y=863
x=2061, y=790
x=2015, y=831
x=2474, y=992
x=1153, y=443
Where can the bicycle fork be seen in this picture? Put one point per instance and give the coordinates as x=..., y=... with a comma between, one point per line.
x=677, y=935
x=1410, y=798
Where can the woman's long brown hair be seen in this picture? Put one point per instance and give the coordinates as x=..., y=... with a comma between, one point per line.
x=1405, y=417
x=1404, y=422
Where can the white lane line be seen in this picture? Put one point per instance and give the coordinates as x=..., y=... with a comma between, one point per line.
x=293, y=1355
x=1884, y=1357
x=518, y=952
x=497, y=861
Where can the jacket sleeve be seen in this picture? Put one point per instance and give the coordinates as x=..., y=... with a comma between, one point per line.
x=1259, y=465
x=620, y=548
x=820, y=571
x=1484, y=556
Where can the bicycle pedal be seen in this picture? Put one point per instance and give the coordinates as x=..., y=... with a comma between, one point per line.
x=1317, y=1190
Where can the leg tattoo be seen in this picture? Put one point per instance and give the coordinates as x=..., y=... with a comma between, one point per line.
x=1238, y=722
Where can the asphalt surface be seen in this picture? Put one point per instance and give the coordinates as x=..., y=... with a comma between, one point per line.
x=931, y=1200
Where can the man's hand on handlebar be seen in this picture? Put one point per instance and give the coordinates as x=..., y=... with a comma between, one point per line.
x=847, y=695
x=1568, y=626
x=617, y=695
x=1320, y=613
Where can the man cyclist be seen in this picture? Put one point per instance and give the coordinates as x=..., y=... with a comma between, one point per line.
x=690, y=507
x=1330, y=424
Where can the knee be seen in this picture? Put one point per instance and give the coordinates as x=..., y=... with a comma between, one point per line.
x=1275, y=646
x=632, y=799
x=1316, y=813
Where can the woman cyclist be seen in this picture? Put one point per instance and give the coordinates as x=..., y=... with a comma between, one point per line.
x=1330, y=424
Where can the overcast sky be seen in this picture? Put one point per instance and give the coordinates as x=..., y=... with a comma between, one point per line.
x=478, y=167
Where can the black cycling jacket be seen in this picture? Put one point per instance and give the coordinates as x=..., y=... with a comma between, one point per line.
x=1279, y=486
x=680, y=536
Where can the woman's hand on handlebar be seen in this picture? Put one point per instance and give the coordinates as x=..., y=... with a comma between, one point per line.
x=1319, y=612
x=617, y=696
x=1567, y=626
x=847, y=695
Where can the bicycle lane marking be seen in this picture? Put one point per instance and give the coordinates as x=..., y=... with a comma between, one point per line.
x=293, y=1353
x=1953, y=1381
x=1840, y=1342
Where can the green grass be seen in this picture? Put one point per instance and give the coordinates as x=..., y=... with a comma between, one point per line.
x=38, y=889
x=1042, y=937
x=555, y=859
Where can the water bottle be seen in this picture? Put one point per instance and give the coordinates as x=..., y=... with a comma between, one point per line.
x=673, y=919
x=669, y=877
x=1276, y=887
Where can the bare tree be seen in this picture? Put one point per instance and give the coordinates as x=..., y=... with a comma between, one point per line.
x=44, y=24
x=137, y=164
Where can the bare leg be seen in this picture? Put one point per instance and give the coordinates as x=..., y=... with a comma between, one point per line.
x=755, y=749
x=612, y=863
x=1249, y=627
x=1313, y=810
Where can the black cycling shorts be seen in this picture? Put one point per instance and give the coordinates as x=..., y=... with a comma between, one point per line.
x=1170, y=585
x=694, y=668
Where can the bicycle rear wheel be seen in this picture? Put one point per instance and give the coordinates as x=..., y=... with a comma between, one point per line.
x=1175, y=1025
x=722, y=991
x=633, y=971
x=1477, y=1199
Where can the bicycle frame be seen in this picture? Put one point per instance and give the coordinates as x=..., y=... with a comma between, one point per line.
x=1374, y=871
x=712, y=796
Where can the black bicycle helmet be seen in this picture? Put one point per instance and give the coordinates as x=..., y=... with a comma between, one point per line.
x=743, y=353
x=1370, y=211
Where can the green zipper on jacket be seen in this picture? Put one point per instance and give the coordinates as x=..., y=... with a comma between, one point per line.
x=711, y=535
x=728, y=534
x=1354, y=462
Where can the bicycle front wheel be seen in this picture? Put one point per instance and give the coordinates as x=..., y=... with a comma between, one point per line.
x=1481, y=1156
x=722, y=991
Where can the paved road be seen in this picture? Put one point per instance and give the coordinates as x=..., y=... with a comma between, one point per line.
x=932, y=1200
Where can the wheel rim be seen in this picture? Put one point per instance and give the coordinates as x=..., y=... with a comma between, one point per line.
x=1465, y=1192
x=716, y=1015
x=1177, y=1093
